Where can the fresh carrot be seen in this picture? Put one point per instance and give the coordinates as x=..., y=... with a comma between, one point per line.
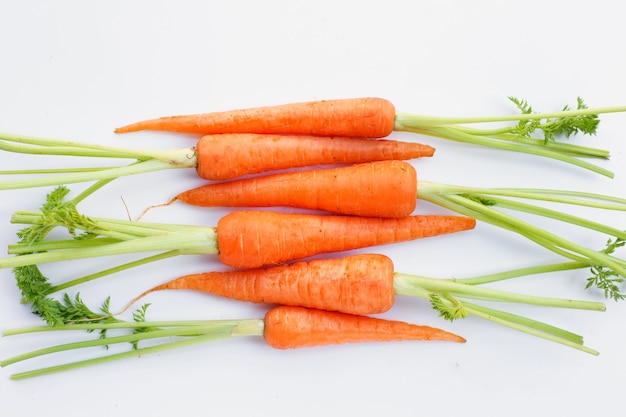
x=215, y=157
x=288, y=327
x=363, y=117
x=283, y=327
x=226, y=156
x=375, y=118
x=356, y=284
x=242, y=239
x=359, y=284
x=376, y=189
x=248, y=239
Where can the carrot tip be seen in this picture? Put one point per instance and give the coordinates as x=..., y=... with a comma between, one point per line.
x=172, y=200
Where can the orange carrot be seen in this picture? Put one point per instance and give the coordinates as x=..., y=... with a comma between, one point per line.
x=376, y=189
x=358, y=284
x=288, y=327
x=360, y=117
x=250, y=239
x=227, y=156
x=242, y=239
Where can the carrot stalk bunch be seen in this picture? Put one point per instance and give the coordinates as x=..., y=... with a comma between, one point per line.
x=377, y=117
x=284, y=327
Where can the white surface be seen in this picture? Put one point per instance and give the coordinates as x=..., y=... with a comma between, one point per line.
x=77, y=69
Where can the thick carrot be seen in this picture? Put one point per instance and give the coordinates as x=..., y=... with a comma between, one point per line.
x=288, y=327
x=249, y=239
x=358, y=284
x=227, y=156
x=377, y=189
x=360, y=117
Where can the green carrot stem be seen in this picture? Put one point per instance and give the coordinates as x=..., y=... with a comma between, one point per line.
x=451, y=134
x=531, y=327
x=405, y=283
x=408, y=120
x=199, y=242
x=533, y=270
x=113, y=270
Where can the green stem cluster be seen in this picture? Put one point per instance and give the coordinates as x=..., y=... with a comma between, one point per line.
x=486, y=204
x=183, y=333
x=519, y=137
x=143, y=161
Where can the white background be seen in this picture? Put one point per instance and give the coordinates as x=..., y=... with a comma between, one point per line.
x=77, y=69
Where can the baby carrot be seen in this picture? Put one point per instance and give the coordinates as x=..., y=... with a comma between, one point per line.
x=373, y=117
x=377, y=189
x=288, y=327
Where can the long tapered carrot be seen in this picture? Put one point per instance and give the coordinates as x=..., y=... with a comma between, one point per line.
x=377, y=189
x=249, y=239
x=358, y=284
x=283, y=327
x=362, y=117
x=288, y=327
x=227, y=156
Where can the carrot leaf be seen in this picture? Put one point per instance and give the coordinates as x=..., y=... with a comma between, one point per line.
x=606, y=279
x=449, y=307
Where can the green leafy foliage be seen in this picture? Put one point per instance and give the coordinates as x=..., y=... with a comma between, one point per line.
x=566, y=126
x=54, y=212
x=607, y=279
x=449, y=307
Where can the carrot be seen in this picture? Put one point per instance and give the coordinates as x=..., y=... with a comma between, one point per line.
x=362, y=117
x=377, y=189
x=215, y=157
x=249, y=239
x=375, y=118
x=227, y=156
x=359, y=284
x=288, y=327
x=283, y=327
